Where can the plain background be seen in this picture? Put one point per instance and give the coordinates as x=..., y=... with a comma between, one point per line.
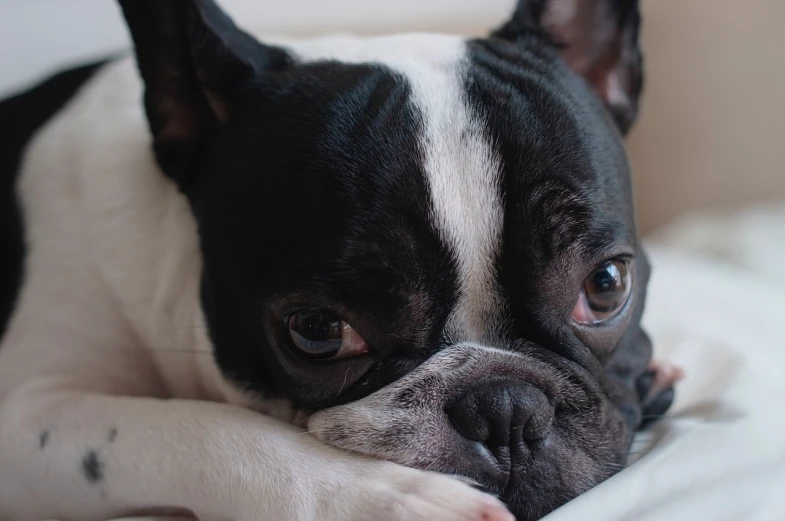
x=712, y=129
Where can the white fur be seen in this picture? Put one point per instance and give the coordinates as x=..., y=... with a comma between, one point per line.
x=108, y=322
x=462, y=169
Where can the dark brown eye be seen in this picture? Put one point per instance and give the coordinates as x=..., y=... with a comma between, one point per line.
x=321, y=335
x=604, y=293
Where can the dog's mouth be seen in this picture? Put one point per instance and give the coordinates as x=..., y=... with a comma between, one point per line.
x=558, y=468
x=531, y=432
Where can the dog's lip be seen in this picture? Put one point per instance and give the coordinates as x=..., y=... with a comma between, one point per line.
x=519, y=466
x=486, y=471
x=506, y=474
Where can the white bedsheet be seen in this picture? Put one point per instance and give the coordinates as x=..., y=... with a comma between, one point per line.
x=716, y=308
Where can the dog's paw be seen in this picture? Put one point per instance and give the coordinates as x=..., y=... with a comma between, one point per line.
x=390, y=492
x=656, y=390
x=357, y=488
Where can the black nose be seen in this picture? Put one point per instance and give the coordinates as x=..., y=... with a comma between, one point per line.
x=505, y=415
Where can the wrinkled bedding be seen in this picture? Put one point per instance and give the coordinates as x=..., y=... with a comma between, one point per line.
x=716, y=308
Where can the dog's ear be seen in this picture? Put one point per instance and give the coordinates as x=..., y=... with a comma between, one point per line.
x=192, y=58
x=598, y=40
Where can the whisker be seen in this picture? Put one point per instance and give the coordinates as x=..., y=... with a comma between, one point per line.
x=345, y=376
x=344, y=454
x=183, y=350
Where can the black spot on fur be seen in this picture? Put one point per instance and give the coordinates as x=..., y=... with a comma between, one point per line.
x=43, y=439
x=92, y=467
x=112, y=434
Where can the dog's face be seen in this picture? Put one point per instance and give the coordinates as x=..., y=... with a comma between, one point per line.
x=426, y=244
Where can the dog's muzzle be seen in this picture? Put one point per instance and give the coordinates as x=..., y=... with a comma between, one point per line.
x=532, y=431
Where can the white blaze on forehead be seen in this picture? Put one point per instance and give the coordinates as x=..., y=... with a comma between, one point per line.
x=463, y=172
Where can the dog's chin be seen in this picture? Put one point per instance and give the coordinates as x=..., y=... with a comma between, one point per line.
x=584, y=441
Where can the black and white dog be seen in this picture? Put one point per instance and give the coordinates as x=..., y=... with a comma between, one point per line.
x=420, y=248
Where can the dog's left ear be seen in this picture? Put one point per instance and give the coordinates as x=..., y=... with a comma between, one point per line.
x=598, y=40
x=193, y=60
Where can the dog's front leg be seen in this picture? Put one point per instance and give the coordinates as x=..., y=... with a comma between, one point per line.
x=77, y=456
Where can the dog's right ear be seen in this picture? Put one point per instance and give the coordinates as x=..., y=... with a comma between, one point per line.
x=598, y=40
x=192, y=58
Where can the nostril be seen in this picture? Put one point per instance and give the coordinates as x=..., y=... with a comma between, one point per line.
x=466, y=418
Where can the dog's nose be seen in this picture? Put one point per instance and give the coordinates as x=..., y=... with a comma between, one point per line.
x=505, y=415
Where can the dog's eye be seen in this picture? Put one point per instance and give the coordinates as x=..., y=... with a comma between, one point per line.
x=321, y=335
x=604, y=293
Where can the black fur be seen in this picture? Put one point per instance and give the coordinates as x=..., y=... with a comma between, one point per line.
x=92, y=467
x=342, y=185
x=193, y=60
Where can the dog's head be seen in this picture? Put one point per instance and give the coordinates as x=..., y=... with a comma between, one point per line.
x=425, y=243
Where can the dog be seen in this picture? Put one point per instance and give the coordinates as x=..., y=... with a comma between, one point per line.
x=389, y=278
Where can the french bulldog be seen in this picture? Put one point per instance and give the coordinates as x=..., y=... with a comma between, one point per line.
x=387, y=278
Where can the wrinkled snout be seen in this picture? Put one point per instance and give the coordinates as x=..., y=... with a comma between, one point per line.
x=521, y=427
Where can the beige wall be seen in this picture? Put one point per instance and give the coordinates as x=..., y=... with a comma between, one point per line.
x=712, y=127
